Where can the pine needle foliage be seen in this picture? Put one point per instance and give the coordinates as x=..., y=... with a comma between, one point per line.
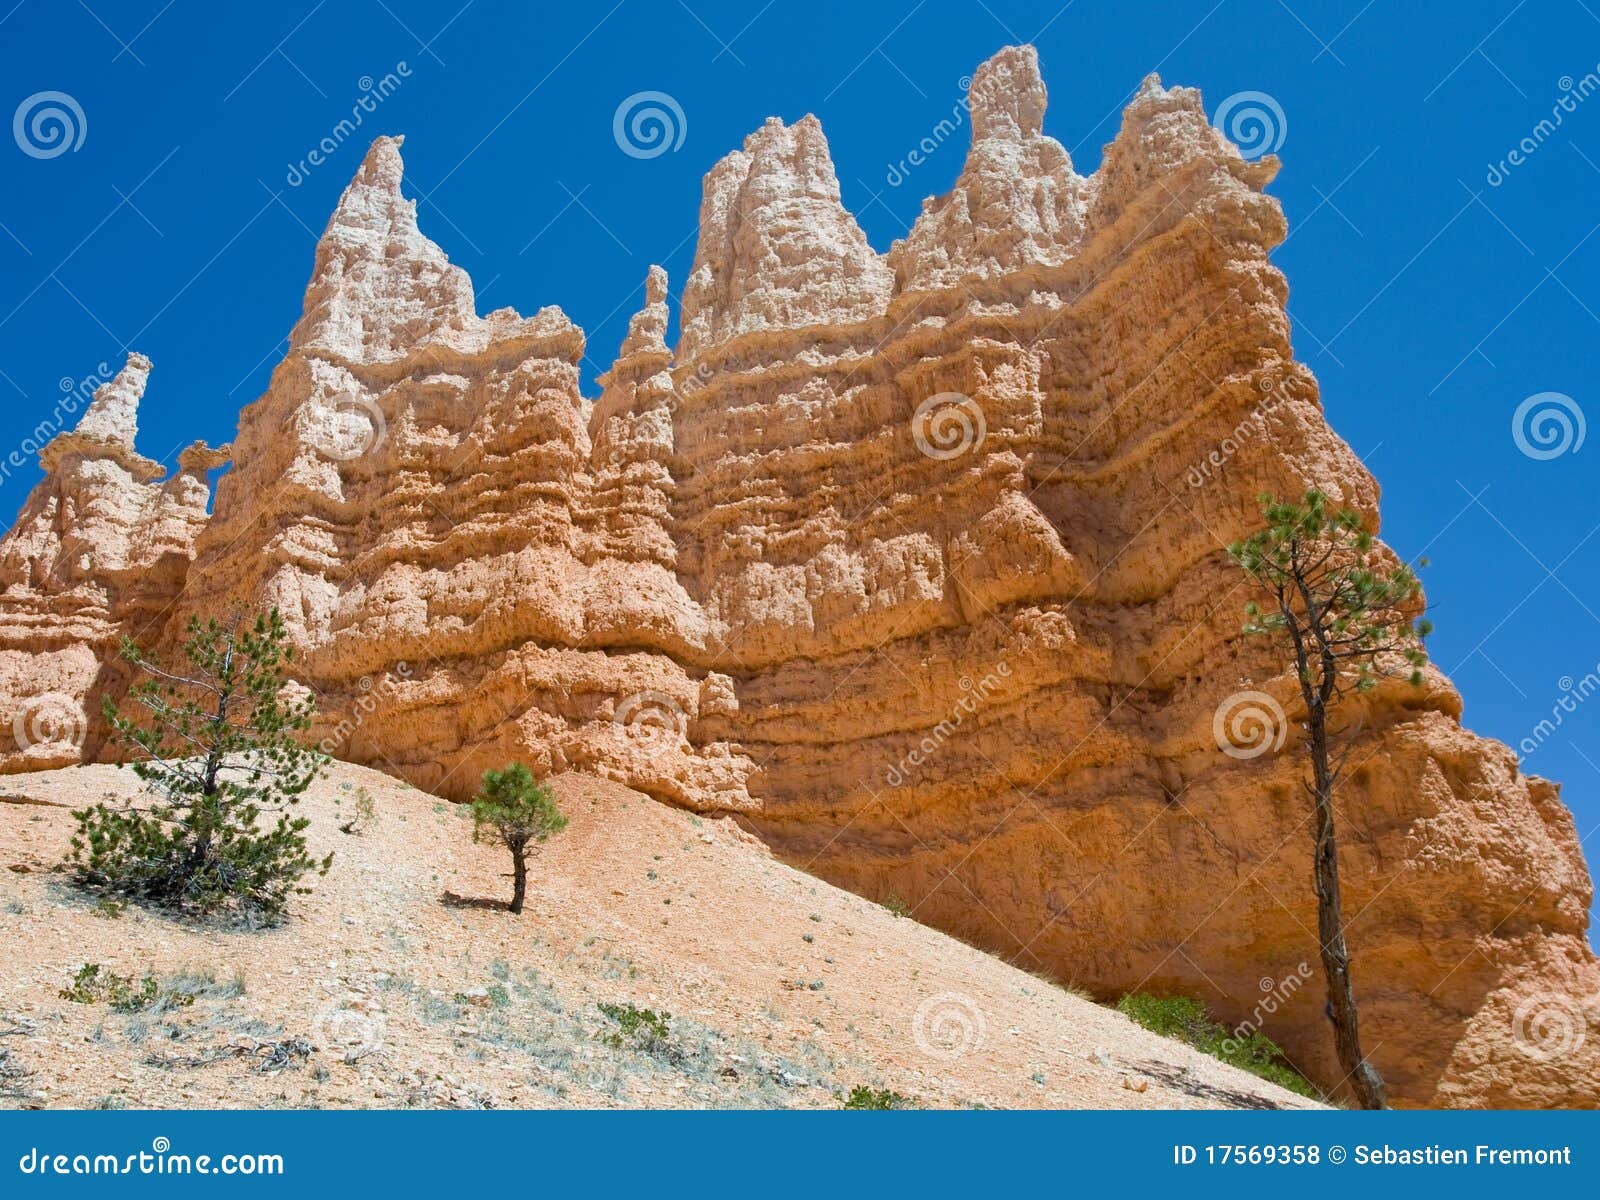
x=219, y=750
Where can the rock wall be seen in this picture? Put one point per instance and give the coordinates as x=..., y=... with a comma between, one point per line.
x=915, y=561
x=101, y=547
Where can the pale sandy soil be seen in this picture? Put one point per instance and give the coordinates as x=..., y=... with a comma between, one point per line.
x=408, y=984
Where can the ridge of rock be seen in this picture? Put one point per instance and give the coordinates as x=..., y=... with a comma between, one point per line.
x=883, y=558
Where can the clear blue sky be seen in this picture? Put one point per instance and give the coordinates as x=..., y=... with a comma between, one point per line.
x=1429, y=301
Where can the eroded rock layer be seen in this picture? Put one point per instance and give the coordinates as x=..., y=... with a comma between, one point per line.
x=915, y=561
x=102, y=545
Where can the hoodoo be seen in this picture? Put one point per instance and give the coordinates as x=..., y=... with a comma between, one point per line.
x=902, y=558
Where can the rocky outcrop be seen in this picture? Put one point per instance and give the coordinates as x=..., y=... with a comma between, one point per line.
x=100, y=550
x=1018, y=202
x=419, y=494
x=914, y=561
x=777, y=249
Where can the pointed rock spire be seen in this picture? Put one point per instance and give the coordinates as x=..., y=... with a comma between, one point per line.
x=109, y=425
x=647, y=331
x=1018, y=203
x=778, y=249
x=1164, y=131
x=113, y=415
x=83, y=524
x=640, y=379
x=638, y=384
x=1161, y=127
x=379, y=287
x=1007, y=96
x=631, y=435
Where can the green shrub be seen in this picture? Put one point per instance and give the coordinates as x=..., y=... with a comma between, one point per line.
x=93, y=984
x=1180, y=1017
x=637, y=1028
x=863, y=1097
x=218, y=749
x=896, y=905
x=1187, y=1020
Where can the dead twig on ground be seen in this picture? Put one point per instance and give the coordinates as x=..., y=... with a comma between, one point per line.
x=274, y=1056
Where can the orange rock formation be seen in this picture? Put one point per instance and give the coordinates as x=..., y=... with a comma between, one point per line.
x=915, y=561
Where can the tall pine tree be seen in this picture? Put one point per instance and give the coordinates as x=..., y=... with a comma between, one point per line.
x=1346, y=613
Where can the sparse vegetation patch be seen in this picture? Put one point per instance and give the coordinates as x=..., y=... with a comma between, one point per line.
x=94, y=984
x=1187, y=1020
x=863, y=1097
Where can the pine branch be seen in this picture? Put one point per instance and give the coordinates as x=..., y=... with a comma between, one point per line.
x=186, y=680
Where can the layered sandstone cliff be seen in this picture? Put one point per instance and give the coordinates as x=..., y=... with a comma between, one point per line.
x=904, y=558
x=101, y=546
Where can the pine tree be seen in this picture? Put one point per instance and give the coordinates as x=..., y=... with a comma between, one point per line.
x=516, y=812
x=1347, y=614
x=218, y=749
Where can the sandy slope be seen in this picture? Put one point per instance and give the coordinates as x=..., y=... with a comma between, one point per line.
x=412, y=986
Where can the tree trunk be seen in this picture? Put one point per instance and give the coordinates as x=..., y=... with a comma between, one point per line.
x=1362, y=1076
x=519, y=879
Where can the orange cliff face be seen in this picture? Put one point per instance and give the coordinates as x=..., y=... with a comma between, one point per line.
x=914, y=561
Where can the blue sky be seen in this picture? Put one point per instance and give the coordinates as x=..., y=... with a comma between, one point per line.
x=1431, y=299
